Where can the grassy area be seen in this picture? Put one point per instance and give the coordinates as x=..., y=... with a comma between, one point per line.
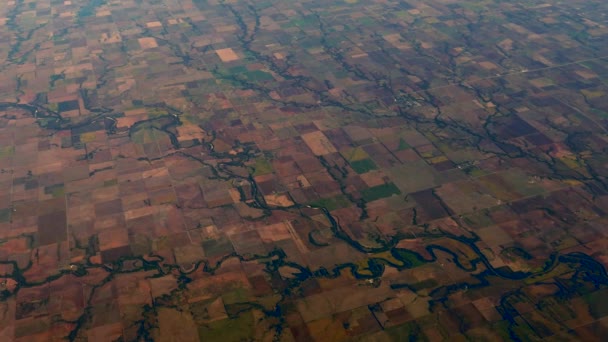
x=143, y=136
x=87, y=137
x=241, y=69
x=217, y=247
x=237, y=295
x=53, y=106
x=154, y=112
x=409, y=258
x=262, y=167
x=110, y=182
x=333, y=203
x=89, y=8
x=363, y=166
x=366, y=21
x=598, y=305
x=56, y=190
x=403, y=145
x=231, y=329
x=5, y=214
x=425, y=284
x=7, y=151
x=253, y=75
x=356, y=153
x=304, y=21
x=380, y=191
x=389, y=257
x=258, y=75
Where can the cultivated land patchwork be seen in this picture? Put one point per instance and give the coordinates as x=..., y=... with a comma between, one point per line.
x=303, y=170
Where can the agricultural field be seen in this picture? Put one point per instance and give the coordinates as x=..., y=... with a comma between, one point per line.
x=214, y=170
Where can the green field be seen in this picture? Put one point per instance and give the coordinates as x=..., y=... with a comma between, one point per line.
x=5, y=214
x=56, y=190
x=258, y=76
x=363, y=166
x=403, y=145
x=231, y=329
x=262, y=167
x=380, y=191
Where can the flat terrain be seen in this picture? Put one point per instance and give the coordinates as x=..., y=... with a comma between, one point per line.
x=303, y=170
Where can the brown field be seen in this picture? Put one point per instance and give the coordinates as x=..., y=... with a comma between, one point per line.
x=147, y=43
x=318, y=143
x=227, y=55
